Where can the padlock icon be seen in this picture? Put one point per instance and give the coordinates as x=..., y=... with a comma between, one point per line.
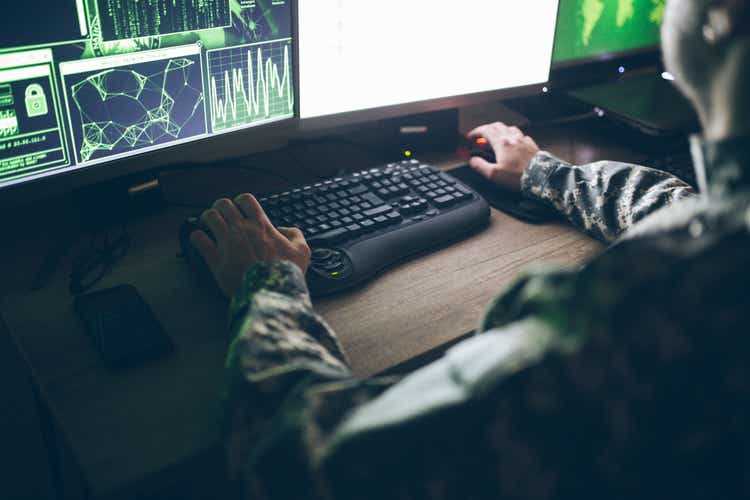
x=36, y=101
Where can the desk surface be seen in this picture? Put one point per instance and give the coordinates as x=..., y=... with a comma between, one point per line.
x=137, y=426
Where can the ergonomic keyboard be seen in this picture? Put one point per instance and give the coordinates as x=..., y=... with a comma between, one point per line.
x=359, y=224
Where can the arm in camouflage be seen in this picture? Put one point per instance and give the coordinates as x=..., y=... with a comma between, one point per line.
x=567, y=394
x=279, y=345
x=603, y=199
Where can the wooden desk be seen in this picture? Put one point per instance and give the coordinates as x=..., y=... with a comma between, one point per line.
x=136, y=432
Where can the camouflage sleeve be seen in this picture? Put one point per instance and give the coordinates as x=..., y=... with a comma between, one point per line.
x=279, y=345
x=604, y=199
x=301, y=426
x=434, y=434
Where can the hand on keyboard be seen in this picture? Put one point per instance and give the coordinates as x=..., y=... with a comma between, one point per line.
x=242, y=235
x=357, y=225
x=513, y=151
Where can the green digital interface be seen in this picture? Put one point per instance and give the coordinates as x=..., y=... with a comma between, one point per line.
x=103, y=80
x=587, y=29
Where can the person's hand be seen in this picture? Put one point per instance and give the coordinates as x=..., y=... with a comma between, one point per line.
x=513, y=152
x=244, y=237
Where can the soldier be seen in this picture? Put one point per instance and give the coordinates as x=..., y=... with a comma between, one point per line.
x=629, y=378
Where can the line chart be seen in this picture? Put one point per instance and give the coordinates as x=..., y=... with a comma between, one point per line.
x=250, y=83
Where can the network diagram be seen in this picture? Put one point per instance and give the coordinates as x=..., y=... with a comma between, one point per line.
x=114, y=78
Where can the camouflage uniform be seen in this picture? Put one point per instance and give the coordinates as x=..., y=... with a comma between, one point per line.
x=628, y=378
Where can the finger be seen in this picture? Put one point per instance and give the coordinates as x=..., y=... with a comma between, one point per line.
x=293, y=234
x=485, y=168
x=214, y=221
x=229, y=211
x=481, y=131
x=296, y=238
x=253, y=212
x=206, y=248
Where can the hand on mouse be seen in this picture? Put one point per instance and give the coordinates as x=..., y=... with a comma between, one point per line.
x=244, y=237
x=513, y=150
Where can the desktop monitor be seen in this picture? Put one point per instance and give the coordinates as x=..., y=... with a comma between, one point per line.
x=94, y=85
x=361, y=61
x=596, y=30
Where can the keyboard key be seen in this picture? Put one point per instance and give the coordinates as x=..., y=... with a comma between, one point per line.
x=371, y=198
x=444, y=201
x=368, y=224
x=393, y=217
x=358, y=190
x=378, y=211
x=381, y=220
x=354, y=229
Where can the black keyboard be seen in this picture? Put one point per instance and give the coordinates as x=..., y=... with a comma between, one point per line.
x=359, y=224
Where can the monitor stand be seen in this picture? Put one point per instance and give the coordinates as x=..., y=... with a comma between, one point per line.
x=647, y=103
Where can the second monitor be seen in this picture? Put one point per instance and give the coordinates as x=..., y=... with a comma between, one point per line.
x=393, y=58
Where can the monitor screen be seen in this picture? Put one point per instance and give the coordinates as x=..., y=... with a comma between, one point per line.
x=591, y=29
x=356, y=55
x=101, y=80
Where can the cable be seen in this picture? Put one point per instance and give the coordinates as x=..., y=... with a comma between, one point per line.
x=94, y=263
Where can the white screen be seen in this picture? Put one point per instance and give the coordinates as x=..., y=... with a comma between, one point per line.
x=358, y=54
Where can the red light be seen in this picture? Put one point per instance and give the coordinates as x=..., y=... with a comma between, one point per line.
x=481, y=141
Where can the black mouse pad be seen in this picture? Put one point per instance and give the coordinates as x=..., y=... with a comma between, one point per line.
x=514, y=204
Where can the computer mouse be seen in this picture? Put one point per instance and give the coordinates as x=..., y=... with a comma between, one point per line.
x=191, y=254
x=480, y=147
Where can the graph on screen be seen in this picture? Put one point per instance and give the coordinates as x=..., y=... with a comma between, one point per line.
x=250, y=83
x=590, y=28
x=155, y=98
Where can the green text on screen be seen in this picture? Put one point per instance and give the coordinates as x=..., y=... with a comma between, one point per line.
x=107, y=79
x=591, y=28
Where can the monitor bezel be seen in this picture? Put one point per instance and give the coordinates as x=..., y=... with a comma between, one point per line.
x=605, y=67
x=316, y=125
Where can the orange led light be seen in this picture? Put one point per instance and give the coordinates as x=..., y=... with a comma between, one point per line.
x=481, y=141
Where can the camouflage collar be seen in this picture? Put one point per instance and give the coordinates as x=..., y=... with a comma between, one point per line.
x=722, y=168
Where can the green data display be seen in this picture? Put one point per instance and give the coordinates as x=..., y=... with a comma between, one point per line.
x=591, y=28
x=103, y=80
